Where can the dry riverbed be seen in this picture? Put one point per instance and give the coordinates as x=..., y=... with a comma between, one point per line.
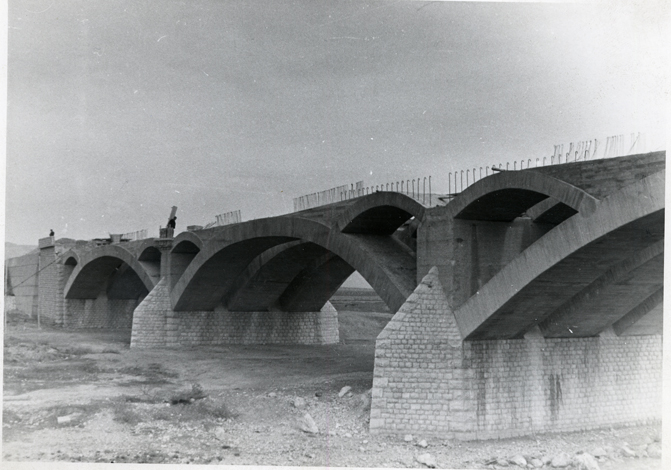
x=85, y=396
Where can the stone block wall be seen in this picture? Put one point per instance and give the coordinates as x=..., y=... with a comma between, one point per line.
x=150, y=318
x=50, y=287
x=21, y=283
x=156, y=325
x=567, y=384
x=419, y=384
x=427, y=380
x=99, y=313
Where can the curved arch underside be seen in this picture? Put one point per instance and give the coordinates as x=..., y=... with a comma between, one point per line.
x=295, y=276
x=505, y=196
x=109, y=269
x=106, y=274
x=615, y=248
x=293, y=264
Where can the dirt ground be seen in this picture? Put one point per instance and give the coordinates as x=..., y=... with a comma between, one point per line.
x=85, y=396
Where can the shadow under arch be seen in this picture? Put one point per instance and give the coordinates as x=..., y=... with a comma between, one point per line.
x=508, y=305
x=185, y=247
x=295, y=276
x=507, y=195
x=386, y=264
x=97, y=267
x=380, y=213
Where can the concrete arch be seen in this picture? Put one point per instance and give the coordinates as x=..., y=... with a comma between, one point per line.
x=184, y=249
x=640, y=275
x=380, y=213
x=508, y=305
x=140, y=246
x=384, y=262
x=264, y=281
x=505, y=196
x=96, y=267
x=184, y=240
x=70, y=258
x=150, y=259
x=316, y=284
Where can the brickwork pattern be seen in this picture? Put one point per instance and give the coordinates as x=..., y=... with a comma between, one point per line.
x=551, y=385
x=419, y=383
x=149, y=318
x=50, y=291
x=427, y=380
x=99, y=313
x=156, y=325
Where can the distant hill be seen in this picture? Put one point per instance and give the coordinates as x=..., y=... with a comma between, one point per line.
x=13, y=250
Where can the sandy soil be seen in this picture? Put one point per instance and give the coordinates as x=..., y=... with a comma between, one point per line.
x=85, y=396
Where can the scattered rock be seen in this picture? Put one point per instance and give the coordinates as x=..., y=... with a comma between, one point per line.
x=307, y=424
x=318, y=394
x=347, y=434
x=407, y=438
x=519, y=460
x=561, y=460
x=64, y=419
x=423, y=444
x=627, y=452
x=585, y=461
x=272, y=394
x=427, y=459
x=502, y=462
x=298, y=402
x=654, y=450
x=536, y=463
x=220, y=433
x=599, y=452
x=344, y=390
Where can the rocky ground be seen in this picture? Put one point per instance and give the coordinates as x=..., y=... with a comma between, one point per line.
x=85, y=396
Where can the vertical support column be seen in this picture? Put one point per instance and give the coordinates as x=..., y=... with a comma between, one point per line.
x=171, y=323
x=49, y=279
x=154, y=322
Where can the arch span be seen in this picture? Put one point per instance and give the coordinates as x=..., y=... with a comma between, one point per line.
x=186, y=242
x=96, y=267
x=386, y=264
x=380, y=213
x=565, y=261
x=185, y=247
x=70, y=258
x=505, y=196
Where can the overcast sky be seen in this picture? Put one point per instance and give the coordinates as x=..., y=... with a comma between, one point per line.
x=120, y=109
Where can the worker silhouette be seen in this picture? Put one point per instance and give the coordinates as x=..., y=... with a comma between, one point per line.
x=171, y=227
x=51, y=233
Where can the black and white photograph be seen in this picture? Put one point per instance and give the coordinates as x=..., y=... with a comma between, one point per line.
x=335, y=234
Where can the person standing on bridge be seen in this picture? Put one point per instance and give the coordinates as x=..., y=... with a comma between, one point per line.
x=171, y=226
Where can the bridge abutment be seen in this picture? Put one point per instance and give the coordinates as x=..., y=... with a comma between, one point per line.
x=427, y=380
x=50, y=281
x=155, y=324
